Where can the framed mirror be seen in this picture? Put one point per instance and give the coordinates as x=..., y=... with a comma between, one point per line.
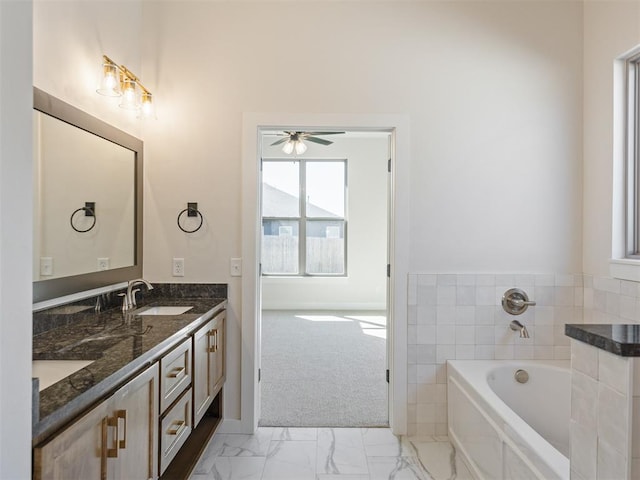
x=87, y=201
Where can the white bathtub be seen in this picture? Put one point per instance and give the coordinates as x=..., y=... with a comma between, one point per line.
x=509, y=430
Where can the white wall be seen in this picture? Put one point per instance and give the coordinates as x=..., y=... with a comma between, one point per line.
x=364, y=287
x=610, y=29
x=69, y=39
x=15, y=238
x=493, y=92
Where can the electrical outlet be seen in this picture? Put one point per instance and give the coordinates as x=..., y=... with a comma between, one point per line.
x=178, y=267
x=46, y=266
x=103, y=263
x=235, y=267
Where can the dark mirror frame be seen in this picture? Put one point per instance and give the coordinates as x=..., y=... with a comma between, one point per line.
x=58, y=287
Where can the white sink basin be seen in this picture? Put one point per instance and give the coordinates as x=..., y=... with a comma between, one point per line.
x=52, y=371
x=165, y=310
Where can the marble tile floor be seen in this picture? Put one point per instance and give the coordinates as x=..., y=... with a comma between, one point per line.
x=328, y=454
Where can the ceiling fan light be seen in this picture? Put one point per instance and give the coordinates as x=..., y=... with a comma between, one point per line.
x=288, y=147
x=300, y=147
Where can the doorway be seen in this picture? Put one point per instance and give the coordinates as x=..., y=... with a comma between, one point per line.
x=324, y=255
x=248, y=398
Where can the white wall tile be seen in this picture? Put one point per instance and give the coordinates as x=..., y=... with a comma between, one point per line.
x=466, y=295
x=447, y=279
x=465, y=315
x=446, y=315
x=446, y=295
x=427, y=279
x=486, y=352
x=611, y=463
x=545, y=280
x=466, y=279
x=465, y=352
x=486, y=295
x=465, y=335
x=584, y=400
x=613, y=418
x=485, y=279
x=584, y=450
x=445, y=334
x=426, y=295
x=614, y=371
x=544, y=296
x=635, y=428
x=564, y=279
x=445, y=352
x=484, y=335
x=426, y=315
x=544, y=315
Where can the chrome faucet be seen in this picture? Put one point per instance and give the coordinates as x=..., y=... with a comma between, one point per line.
x=129, y=300
x=515, y=325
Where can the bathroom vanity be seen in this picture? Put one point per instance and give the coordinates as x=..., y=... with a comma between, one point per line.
x=146, y=395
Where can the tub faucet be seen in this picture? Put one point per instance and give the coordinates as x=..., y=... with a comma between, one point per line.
x=130, y=298
x=515, y=325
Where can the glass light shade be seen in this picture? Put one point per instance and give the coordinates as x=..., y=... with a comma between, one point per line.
x=300, y=147
x=109, y=81
x=129, y=95
x=288, y=147
x=147, y=108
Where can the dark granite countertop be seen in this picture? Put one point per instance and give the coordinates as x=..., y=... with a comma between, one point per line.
x=623, y=340
x=120, y=345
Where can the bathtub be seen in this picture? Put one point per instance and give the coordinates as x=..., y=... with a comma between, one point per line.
x=504, y=429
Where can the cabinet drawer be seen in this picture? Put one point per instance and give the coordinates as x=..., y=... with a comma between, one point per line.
x=175, y=374
x=175, y=428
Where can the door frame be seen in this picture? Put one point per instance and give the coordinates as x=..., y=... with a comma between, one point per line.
x=253, y=124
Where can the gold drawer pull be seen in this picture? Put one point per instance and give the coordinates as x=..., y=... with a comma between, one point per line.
x=177, y=372
x=213, y=333
x=113, y=452
x=123, y=415
x=180, y=424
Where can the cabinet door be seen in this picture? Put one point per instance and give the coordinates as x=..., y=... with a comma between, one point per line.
x=202, y=346
x=135, y=409
x=79, y=451
x=217, y=359
x=208, y=364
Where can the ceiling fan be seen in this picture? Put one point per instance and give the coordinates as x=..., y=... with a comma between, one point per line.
x=295, y=140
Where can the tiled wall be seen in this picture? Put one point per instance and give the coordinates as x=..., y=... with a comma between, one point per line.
x=603, y=399
x=609, y=300
x=459, y=316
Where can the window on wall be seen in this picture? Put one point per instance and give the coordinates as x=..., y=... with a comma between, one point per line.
x=632, y=155
x=303, y=217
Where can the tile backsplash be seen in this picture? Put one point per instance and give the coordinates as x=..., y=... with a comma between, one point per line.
x=460, y=316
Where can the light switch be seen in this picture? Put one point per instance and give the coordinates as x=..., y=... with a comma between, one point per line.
x=235, y=269
x=46, y=266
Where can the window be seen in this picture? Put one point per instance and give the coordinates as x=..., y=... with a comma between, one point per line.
x=632, y=155
x=303, y=217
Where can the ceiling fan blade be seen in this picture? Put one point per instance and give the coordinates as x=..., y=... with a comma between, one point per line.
x=323, y=133
x=321, y=141
x=282, y=140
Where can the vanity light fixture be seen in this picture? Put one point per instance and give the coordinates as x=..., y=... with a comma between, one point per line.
x=118, y=81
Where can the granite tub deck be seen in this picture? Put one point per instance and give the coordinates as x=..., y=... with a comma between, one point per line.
x=622, y=340
x=118, y=344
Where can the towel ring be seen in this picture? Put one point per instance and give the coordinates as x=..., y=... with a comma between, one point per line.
x=191, y=212
x=90, y=213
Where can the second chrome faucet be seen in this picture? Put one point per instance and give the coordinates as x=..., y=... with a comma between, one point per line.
x=129, y=300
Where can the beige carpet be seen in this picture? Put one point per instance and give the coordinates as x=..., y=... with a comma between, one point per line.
x=323, y=369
